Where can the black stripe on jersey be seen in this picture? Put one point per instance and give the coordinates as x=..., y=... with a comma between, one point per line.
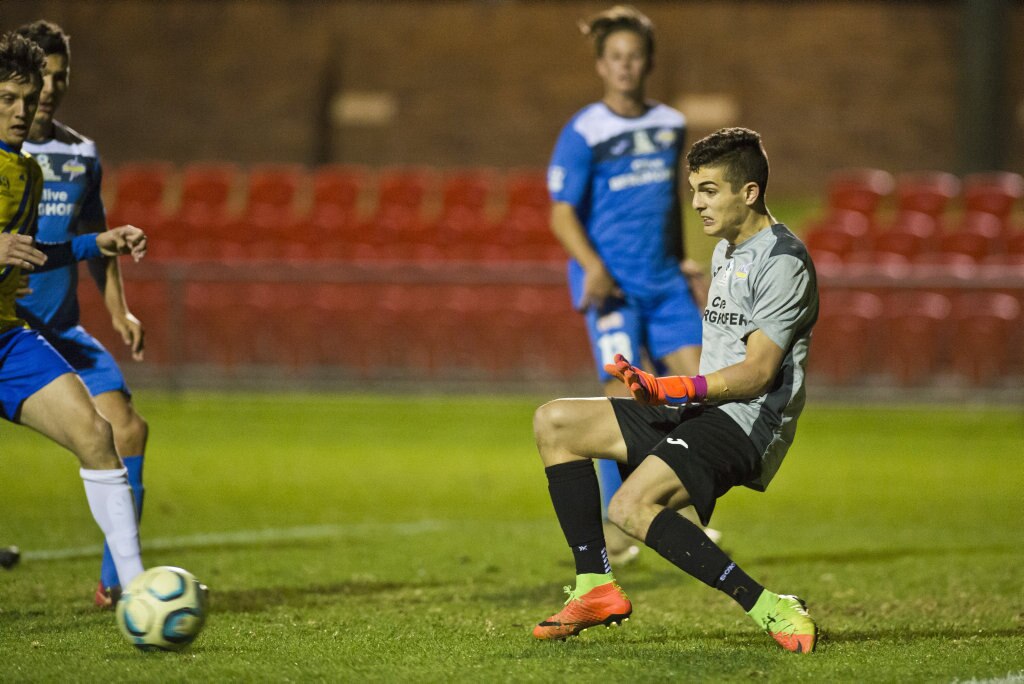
x=20, y=215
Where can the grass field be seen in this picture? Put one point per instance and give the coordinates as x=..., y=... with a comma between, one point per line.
x=368, y=539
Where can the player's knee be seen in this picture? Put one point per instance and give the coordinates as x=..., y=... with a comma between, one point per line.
x=621, y=510
x=549, y=422
x=93, y=440
x=131, y=434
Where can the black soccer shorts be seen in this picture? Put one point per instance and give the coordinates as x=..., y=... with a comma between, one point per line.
x=707, y=450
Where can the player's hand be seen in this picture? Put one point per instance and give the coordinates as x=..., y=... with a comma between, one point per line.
x=23, y=289
x=122, y=240
x=598, y=287
x=642, y=385
x=132, y=332
x=17, y=250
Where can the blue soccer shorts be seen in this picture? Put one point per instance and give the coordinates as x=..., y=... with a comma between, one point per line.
x=90, y=359
x=657, y=325
x=27, y=364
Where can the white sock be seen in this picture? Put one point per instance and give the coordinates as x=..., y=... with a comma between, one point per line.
x=110, y=500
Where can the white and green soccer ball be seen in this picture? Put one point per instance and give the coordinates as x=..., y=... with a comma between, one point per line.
x=162, y=609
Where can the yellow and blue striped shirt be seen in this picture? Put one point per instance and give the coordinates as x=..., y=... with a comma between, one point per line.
x=21, y=188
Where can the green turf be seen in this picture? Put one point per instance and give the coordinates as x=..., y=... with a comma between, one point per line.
x=418, y=544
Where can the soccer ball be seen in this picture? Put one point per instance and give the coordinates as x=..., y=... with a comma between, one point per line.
x=162, y=609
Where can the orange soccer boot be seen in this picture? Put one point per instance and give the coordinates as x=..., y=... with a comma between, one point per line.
x=604, y=605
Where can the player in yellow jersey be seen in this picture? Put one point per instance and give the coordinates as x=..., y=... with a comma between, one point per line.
x=38, y=389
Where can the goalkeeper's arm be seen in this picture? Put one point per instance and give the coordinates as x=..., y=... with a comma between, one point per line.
x=750, y=378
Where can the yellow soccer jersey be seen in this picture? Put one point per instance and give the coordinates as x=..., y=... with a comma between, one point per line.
x=21, y=188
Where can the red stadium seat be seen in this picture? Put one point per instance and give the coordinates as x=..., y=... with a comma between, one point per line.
x=917, y=323
x=987, y=225
x=527, y=188
x=847, y=320
x=1007, y=260
x=140, y=191
x=463, y=230
x=926, y=192
x=858, y=190
x=206, y=190
x=468, y=189
x=993, y=192
x=970, y=244
x=984, y=339
x=524, y=234
x=338, y=189
x=1015, y=242
x=854, y=224
x=827, y=239
x=463, y=233
x=272, y=191
x=404, y=187
x=903, y=240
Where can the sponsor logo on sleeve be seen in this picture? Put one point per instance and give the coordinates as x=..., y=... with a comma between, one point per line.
x=556, y=178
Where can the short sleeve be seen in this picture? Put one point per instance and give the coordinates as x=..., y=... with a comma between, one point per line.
x=569, y=171
x=783, y=299
x=92, y=213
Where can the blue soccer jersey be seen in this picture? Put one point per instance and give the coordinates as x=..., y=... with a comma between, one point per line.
x=70, y=200
x=621, y=176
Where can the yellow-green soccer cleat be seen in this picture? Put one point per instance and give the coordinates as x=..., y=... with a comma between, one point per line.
x=604, y=605
x=785, y=618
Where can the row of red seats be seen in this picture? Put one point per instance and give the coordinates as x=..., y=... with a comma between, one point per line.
x=915, y=336
x=921, y=227
x=855, y=199
x=274, y=223
x=287, y=193
x=519, y=235
x=899, y=246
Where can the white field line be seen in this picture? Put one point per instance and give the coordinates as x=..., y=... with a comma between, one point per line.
x=246, y=537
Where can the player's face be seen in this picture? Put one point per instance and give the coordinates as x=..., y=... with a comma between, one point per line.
x=18, y=102
x=624, y=64
x=55, y=84
x=722, y=210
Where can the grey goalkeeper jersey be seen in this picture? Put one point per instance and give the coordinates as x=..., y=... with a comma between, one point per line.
x=766, y=283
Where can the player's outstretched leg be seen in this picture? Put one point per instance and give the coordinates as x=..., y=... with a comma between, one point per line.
x=130, y=435
x=682, y=543
x=63, y=411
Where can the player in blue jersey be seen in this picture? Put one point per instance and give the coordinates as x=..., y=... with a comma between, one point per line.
x=690, y=439
x=38, y=388
x=71, y=205
x=614, y=183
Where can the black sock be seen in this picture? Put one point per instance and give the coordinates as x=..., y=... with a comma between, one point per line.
x=687, y=547
x=577, y=500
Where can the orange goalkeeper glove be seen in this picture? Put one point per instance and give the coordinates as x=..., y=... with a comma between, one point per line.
x=675, y=390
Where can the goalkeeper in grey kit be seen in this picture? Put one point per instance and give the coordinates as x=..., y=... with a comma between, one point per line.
x=687, y=440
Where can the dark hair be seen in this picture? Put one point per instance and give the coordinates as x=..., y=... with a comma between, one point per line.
x=20, y=59
x=48, y=36
x=739, y=150
x=618, y=18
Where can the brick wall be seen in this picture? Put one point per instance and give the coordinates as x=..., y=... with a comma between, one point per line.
x=453, y=83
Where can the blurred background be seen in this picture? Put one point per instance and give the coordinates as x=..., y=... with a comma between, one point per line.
x=345, y=193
